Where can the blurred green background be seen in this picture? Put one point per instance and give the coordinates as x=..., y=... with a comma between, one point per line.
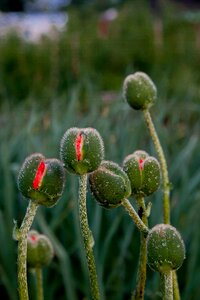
x=75, y=79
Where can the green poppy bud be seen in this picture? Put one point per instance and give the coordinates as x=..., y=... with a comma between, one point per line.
x=139, y=91
x=41, y=180
x=143, y=172
x=109, y=184
x=39, y=250
x=165, y=248
x=82, y=150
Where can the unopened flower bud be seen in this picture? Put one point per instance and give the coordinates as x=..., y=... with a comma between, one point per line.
x=41, y=180
x=39, y=250
x=82, y=150
x=165, y=248
x=109, y=184
x=143, y=172
x=139, y=91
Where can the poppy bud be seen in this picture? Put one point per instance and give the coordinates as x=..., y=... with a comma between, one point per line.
x=41, y=180
x=39, y=250
x=139, y=91
x=165, y=248
x=143, y=172
x=109, y=184
x=82, y=150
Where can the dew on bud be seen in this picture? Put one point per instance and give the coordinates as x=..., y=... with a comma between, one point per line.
x=41, y=180
x=81, y=150
x=39, y=250
x=109, y=184
x=139, y=91
x=165, y=248
x=143, y=172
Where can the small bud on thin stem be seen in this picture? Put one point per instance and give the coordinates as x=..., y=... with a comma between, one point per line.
x=133, y=214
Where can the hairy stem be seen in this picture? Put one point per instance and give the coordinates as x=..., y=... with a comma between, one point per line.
x=142, y=265
x=166, y=185
x=133, y=214
x=166, y=285
x=22, y=250
x=163, y=164
x=87, y=237
x=39, y=283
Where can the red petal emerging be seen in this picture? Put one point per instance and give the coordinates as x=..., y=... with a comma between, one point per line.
x=141, y=163
x=79, y=145
x=33, y=238
x=39, y=175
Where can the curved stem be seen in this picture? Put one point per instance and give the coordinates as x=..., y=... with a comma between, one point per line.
x=163, y=164
x=166, y=285
x=133, y=214
x=142, y=265
x=22, y=250
x=166, y=185
x=39, y=283
x=87, y=237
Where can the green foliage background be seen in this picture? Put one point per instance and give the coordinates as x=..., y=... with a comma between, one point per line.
x=75, y=79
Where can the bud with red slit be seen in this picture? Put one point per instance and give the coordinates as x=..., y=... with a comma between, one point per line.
x=81, y=150
x=41, y=180
x=39, y=250
x=143, y=172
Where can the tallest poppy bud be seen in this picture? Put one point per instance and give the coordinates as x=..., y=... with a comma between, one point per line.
x=139, y=91
x=81, y=150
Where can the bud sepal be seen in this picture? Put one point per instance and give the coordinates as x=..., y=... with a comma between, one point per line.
x=81, y=150
x=165, y=248
x=41, y=180
x=109, y=184
x=40, y=251
x=143, y=172
x=139, y=91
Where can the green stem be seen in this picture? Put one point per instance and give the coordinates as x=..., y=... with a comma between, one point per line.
x=175, y=286
x=142, y=265
x=163, y=164
x=22, y=250
x=87, y=237
x=166, y=285
x=166, y=184
x=133, y=214
x=39, y=283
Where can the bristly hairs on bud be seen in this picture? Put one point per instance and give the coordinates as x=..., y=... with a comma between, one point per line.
x=139, y=91
x=81, y=150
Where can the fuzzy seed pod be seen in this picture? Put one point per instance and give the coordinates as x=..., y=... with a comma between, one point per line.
x=109, y=184
x=81, y=150
x=139, y=91
x=165, y=248
x=41, y=180
x=143, y=172
x=39, y=250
